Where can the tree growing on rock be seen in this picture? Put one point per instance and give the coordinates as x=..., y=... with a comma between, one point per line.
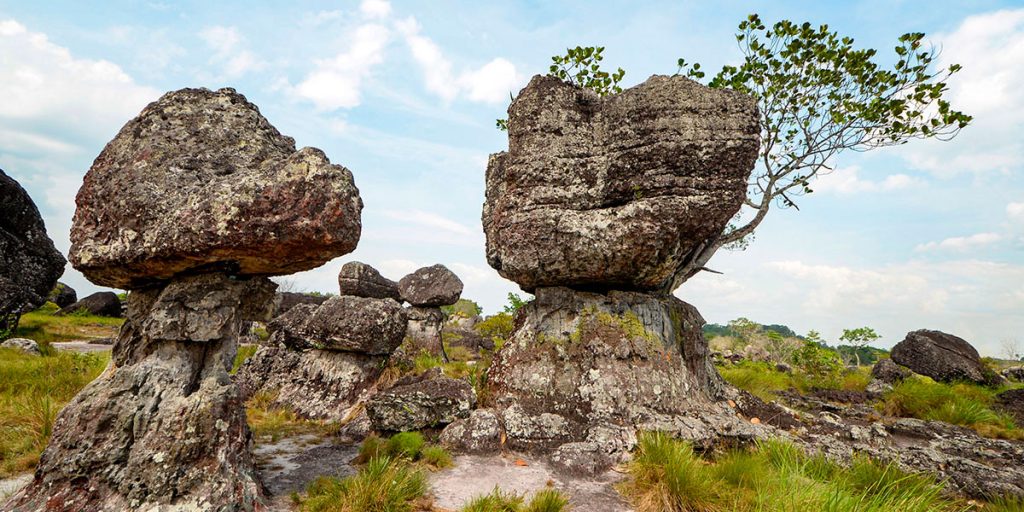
x=858, y=339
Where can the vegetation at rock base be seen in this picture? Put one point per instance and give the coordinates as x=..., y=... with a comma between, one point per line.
x=544, y=500
x=42, y=325
x=244, y=353
x=33, y=389
x=969, y=405
x=383, y=484
x=464, y=307
x=666, y=475
x=407, y=446
x=269, y=419
x=764, y=381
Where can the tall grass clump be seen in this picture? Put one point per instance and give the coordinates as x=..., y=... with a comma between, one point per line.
x=406, y=446
x=545, y=500
x=383, y=485
x=964, y=404
x=33, y=389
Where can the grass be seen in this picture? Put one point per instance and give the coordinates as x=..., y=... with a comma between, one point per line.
x=383, y=485
x=244, y=353
x=963, y=404
x=764, y=381
x=407, y=446
x=667, y=476
x=43, y=326
x=545, y=500
x=268, y=419
x=33, y=389
x=475, y=373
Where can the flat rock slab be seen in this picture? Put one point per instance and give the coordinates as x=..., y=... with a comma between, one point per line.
x=81, y=346
x=290, y=464
x=475, y=475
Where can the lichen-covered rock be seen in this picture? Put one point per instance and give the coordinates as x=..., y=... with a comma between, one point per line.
x=345, y=323
x=23, y=344
x=581, y=458
x=99, y=304
x=200, y=179
x=163, y=428
x=431, y=286
x=889, y=372
x=62, y=295
x=424, y=331
x=1014, y=373
x=479, y=433
x=416, y=402
x=315, y=383
x=285, y=301
x=29, y=263
x=941, y=356
x=620, y=192
x=361, y=280
x=583, y=363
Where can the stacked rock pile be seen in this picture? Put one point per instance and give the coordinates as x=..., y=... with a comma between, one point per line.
x=189, y=207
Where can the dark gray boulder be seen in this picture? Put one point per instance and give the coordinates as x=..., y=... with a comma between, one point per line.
x=63, y=295
x=889, y=372
x=942, y=356
x=98, y=304
x=29, y=263
x=421, y=401
x=344, y=323
x=361, y=280
x=285, y=301
x=616, y=192
x=1015, y=373
x=431, y=286
x=200, y=180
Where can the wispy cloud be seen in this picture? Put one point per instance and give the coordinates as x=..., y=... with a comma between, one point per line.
x=229, y=52
x=961, y=243
x=847, y=180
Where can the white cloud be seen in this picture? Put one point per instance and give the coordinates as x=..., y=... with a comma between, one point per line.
x=375, y=9
x=431, y=220
x=990, y=47
x=962, y=243
x=1015, y=211
x=318, y=18
x=491, y=83
x=337, y=82
x=846, y=180
x=229, y=52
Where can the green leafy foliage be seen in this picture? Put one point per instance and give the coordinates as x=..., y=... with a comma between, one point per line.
x=464, y=307
x=581, y=66
x=497, y=327
x=817, y=361
x=514, y=303
x=858, y=338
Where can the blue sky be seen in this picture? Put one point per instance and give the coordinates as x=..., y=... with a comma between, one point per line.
x=927, y=235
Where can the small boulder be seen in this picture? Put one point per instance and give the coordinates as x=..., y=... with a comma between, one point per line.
x=62, y=295
x=361, y=280
x=1015, y=373
x=479, y=433
x=889, y=372
x=1011, y=402
x=23, y=344
x=941, y=356
x=427, y=400
x=581, y=458
x=98, y=304
x=432, y=286
x=285, y=301
x=345, y=323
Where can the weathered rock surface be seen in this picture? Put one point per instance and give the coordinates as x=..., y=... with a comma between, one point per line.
x=345, y=323
x=1011, y=401
x=164, y=427
x=589, y=367
x=62, y=295
x=941, y=356
x=316, y=384
x=200, y=179
x=1015, y=373
x=361, y=280
x=285, y=301
x=889, y=372
x=479, y=433
x=620, y=192
x=99, y=304
x=23, y=344
x=431, y=287
x=416, y=402
x=29, y=263
x=424, y=331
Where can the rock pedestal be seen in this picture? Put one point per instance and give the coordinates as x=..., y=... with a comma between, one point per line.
x=426, y=290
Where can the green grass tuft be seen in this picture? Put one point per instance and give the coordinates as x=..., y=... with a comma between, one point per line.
x=963, y=404
x=244, y=353
x=383, y=485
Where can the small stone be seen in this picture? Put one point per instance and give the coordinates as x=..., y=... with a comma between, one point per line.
x=581, y=458
x=23, y=344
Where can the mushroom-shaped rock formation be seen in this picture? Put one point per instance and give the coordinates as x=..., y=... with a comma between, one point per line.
x=426, y=290
x=200, y=179
x=620, y=192
x=29, y=263
x=190, y=207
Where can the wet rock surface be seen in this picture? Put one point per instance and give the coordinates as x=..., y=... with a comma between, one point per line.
x=416, y=402
x=615, y=193
x=361, y=280
x=344, y=323
x=941, y=356
x=431, y=286
x=200, y=179
x=29, y=263
x=99, y=304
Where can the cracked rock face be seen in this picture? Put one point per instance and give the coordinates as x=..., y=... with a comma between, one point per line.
x=344, y=323
x=941, y=356
x=200, y=179
x=29, y=263
x=428, y=400
x=615, y=193
x=362, y=280
x=431, y=286
x=163, y=426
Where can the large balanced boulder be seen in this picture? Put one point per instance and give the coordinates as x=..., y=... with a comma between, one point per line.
x=97, y=304
x=29, y=263
x=431, y=286
x=344, y=323
x=201, y=180
x=942, y=356
x=361, y=280
x=617, y=192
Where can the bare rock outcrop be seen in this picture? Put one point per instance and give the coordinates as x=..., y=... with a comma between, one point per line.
x=361, y=280
x=432, y=286
x=942, y=356
x=98, y=304
x=29, y=263
x=201, y=179
x=421, y=401
x=616, y=193
x=343, y=323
